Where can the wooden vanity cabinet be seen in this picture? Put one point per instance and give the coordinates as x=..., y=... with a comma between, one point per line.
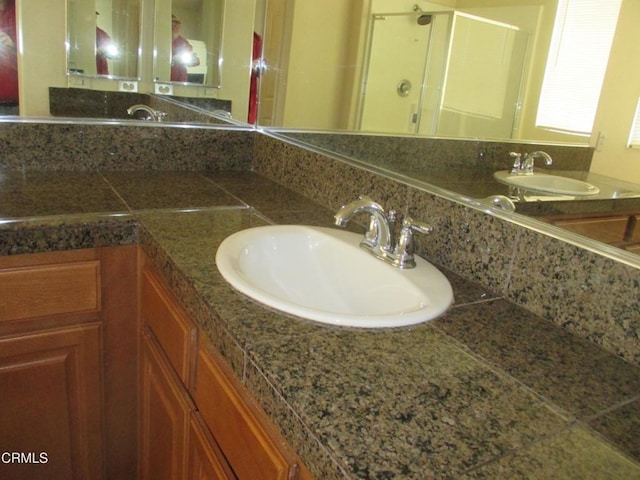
x=198, y=420
x=67, y=364
x=51, y=398
x=206, y=460
x=174, y=443
x=247, y=438
x=620, y=230
x=166, y=410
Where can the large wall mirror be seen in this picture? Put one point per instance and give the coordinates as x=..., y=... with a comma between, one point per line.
x=71, y=48
x=447, y=68
x=461, y=69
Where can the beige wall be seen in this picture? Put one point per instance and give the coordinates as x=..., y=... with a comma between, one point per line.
x=40, y=65
x=319, y=42
x=618, y=101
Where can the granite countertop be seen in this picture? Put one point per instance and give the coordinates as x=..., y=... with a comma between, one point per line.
x=487, y=391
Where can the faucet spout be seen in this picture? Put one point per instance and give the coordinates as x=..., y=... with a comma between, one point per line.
x=378, y=240
x=527, y=162
x=378, y=237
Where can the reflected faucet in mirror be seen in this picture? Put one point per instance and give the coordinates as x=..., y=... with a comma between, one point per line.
x=524, y=166
x=148, y=113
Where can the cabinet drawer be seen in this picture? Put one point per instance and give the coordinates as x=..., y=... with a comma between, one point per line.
x=35, y=291
x=174, y=331
x=254, y=449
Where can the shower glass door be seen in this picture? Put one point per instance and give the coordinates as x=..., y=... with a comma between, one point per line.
x=395, y=73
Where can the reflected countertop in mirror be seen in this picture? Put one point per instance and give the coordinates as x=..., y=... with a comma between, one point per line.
x=466, y=168
x=84, y=103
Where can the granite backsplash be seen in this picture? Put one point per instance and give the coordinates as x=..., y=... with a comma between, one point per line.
x=86, y=103
x=460, y=165
x=95, y=147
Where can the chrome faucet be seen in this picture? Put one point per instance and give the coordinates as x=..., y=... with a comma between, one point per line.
x=153, y=115
x=378, y=239
x=524, y=166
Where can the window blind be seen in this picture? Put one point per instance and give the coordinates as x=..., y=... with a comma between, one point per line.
x=576, y=65
x=634, y=137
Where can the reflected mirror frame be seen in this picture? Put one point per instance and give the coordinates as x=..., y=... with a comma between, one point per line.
x=138, y=51
x=160, y=16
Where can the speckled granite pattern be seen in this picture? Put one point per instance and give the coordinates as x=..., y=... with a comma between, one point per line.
x=422, y=402
x=152, y=190
x=375, y=394
x=31, y=194
x=429, y=155
x=580, y=379
x=72, y=147
x=587, y=293
x=467, y=396
x=66, y=233
x=544, y=460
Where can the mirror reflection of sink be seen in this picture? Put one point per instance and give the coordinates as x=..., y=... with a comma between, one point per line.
x=542, y=182
x=322, y=274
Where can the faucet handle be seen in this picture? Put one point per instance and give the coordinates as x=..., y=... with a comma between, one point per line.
x=517, y=161
x=415, y=226
x=403, y=253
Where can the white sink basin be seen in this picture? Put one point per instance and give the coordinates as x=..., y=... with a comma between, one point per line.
x=542, y=182
x=322, y=274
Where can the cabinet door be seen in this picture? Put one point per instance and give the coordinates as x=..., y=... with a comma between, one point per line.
x=206, y=461
x=50, y=404
x=175, y=333
x=166, y=410
x=254, y=449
